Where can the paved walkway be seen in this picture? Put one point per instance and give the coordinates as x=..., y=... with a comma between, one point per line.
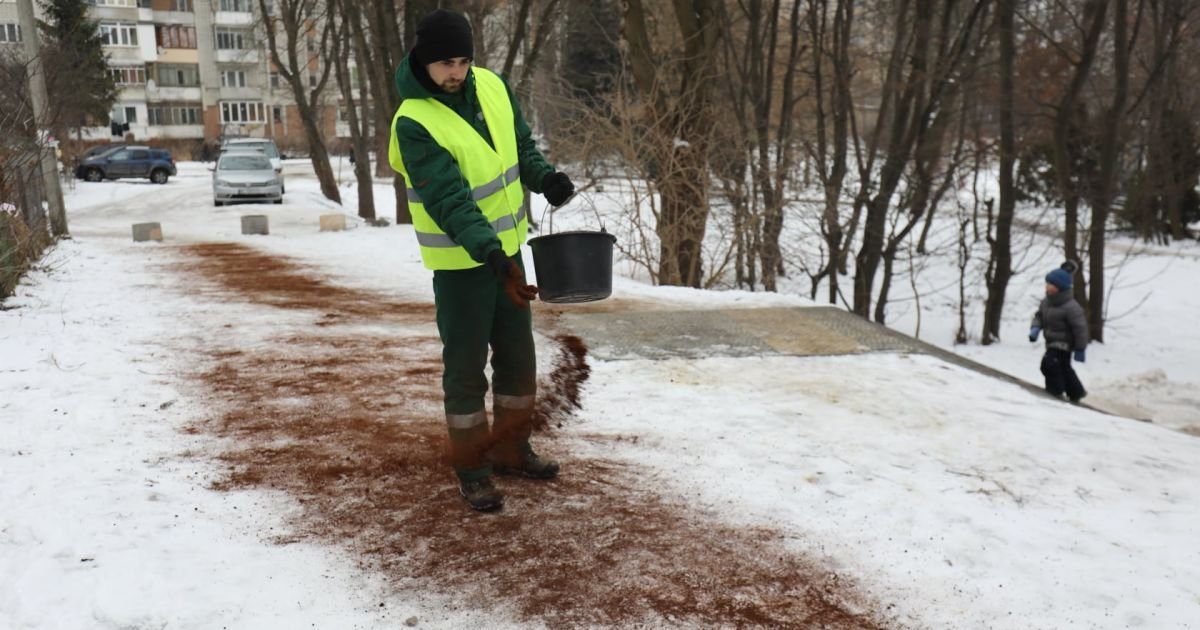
x=621, y=330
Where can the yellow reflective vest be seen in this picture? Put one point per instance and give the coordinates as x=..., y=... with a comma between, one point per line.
x=494, y=175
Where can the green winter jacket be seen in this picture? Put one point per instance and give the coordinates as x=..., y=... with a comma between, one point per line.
x=435, y=175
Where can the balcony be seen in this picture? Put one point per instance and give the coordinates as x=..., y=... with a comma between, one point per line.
x=233, y=18
x=174, y=17
x=122, y=14
x=248, y=93
x=136, y=92
x=237, y=56
x=179, y=55
x=176, y=131
x=124, y=55
x=171, y=93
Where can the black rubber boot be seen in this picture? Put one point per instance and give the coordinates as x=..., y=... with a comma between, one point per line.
x=528, y=464
x=511, y=453
x=481, y=495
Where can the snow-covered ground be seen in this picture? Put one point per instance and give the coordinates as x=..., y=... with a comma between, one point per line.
x=955, y=500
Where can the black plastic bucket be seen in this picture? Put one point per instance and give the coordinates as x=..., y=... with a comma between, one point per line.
x=573, y=266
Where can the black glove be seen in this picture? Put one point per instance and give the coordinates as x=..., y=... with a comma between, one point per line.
x=557, y=188
x=510, y=275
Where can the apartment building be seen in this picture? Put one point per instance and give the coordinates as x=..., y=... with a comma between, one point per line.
x=190, y=72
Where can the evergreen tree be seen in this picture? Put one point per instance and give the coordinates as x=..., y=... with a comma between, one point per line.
x=77, y=76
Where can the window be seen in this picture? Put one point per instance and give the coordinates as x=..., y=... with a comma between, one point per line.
x=242, y=112
x=10, y=33
x=174, y=114
x=242, y=6
x=177, y=75
x=175, y=35
x=128, y=75
x=277, y=112
x=273, y=77
x=115, y=3
x=233, y=78
x=118, y=34
x=181, y=5
x=312, y=80
x=232, y=40
x=131, y=115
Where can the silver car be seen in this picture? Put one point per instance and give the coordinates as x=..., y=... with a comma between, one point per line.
x=245, y=176
x=265, y=145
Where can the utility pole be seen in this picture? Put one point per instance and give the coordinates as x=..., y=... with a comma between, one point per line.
x=38, y=97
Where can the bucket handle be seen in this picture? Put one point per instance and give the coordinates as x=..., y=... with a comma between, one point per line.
x=553, y=208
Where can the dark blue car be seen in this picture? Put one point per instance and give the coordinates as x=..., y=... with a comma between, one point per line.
x=157, y=165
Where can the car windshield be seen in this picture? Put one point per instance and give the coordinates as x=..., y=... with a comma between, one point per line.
x=243, y=163
x=266, y=147
x=106, y=152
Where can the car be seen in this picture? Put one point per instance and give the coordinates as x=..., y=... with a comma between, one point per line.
x=157, y=165
x=264, y=145
x=245, y=176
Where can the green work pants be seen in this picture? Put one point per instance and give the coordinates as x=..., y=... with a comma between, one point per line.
x=473, y=313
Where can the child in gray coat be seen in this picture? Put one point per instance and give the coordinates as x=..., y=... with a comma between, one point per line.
x=1062, y=320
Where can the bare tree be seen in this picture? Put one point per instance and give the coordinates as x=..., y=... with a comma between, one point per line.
x=831, y=73
x=348, y=42
x=676, y=81
x=24, y=226
x=1112, y=139
x=999, y=269
x=1158, y=208
x=763, y=91
x=935, y=39
x=379, y=48
x=290, y=31
x=1068, y=130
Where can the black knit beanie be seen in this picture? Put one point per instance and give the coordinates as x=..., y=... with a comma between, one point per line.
x=443, y=35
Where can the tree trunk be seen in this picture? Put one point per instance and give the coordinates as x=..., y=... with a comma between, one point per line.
x=678, y=116
x=1000, y=265
x=351, y=22
x=1111, y=143
x=318, y=154
x=1066, y=123
x=832, y=167
x=938, y=63
x=903, y=91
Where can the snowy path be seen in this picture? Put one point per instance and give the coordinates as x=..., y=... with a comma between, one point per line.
x=721, y=491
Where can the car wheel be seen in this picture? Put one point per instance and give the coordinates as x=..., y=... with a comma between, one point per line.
x=93, y=175
x=218, y=203
x=278, y=201
x=159, y=176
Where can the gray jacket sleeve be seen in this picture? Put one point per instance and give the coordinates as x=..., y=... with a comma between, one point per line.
x=1079, y=327
x=1037, y=315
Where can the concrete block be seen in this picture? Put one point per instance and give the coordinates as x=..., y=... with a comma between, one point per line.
x=333, y=222
x=254, y=224
x=146, y=232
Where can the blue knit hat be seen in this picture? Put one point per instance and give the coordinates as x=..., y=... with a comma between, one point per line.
x=1060, y=278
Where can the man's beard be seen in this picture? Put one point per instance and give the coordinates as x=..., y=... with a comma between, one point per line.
x=451, y=86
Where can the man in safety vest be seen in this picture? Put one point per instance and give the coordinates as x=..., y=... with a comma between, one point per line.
x=467, y=156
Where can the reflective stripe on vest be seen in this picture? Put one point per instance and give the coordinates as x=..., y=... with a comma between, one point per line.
x=493, y=175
